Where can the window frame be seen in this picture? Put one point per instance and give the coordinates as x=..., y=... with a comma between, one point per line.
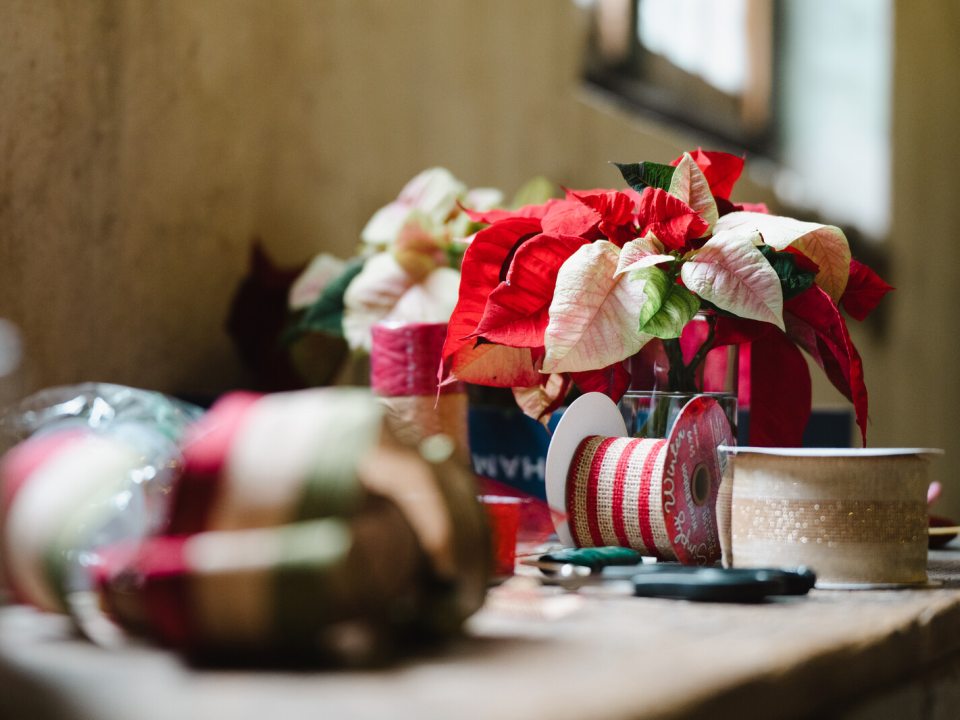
x=614, y=56
x=651, y=84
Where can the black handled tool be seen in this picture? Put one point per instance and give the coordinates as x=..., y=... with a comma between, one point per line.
x=573, y=568
x=714, y=584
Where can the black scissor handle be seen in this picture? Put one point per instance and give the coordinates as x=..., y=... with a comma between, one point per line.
x=712, y=584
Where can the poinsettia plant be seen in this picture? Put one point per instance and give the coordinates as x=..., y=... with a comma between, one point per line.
x=558, y=294
x=408, y=266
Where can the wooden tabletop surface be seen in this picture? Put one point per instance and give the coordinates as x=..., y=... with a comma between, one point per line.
x=527, y=656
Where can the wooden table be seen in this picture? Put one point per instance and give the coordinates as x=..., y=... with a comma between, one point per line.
x=833, y=653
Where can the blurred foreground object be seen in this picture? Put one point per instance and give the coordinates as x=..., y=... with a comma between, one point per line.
x=303, y=528
x=292, y=526
x=94, y=469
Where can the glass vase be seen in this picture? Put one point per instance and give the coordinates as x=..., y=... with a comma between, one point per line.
x=666, y=374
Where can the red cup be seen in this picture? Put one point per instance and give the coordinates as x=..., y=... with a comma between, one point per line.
x=503, y=515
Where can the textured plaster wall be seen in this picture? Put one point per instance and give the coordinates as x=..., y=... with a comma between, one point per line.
x=143, y=144
x=132, y=141
x=917, y=368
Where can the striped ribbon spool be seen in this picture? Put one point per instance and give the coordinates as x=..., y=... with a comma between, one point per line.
x=611, y=476
x=266, y=479
x=270, y=588
x=267, y=460
x=405, y=357
x=403, y=373
x=264, y=461
x=655, y=495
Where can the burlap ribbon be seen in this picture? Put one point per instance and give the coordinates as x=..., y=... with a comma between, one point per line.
x=853, y=518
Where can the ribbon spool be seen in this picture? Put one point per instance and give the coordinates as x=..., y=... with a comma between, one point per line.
x=281, y=588
x=655, y=495
x=403, y=374
x=857, y=517
x=309, y=503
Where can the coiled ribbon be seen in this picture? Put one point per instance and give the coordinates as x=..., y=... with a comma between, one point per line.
x=655, y=495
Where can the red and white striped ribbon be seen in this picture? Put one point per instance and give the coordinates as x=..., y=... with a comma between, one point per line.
x=655, y=495
x=614, y=494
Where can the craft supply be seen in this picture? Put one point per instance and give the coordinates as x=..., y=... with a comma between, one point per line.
x=260, y=461
x=941, y=530
x=403, y=373
x=594, y=558
x=670, y=580
x=62, y=495
x=298, y=517
x=255, y=463
x=275, y=589
x=858, y=517
x=503, y=515
x=95, y=468
x=945, y=530
x=149, y=423
x=713, y=584
x=656, y=496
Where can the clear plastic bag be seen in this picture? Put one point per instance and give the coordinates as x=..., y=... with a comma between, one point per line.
x=148, y=422
x=98, y=406
x=114, y=447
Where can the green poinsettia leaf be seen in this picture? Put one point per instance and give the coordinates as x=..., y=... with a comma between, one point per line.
x=793, y=278
x=326, y=313
x=534, y=192
x=667, y=306
x=646, y=174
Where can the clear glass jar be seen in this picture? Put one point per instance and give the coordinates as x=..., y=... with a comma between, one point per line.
x=652, y=413
x=666, y=374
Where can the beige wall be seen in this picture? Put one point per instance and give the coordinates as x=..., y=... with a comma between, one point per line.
x=916, y=370
x=143, y=145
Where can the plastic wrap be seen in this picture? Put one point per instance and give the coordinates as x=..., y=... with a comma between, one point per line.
x=92, y=465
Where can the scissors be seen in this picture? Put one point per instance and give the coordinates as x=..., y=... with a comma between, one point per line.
x=671, y=580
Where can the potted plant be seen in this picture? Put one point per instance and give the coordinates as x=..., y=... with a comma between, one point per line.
x=556, y=296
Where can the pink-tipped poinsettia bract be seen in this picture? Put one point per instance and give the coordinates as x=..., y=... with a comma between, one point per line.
x=561, y=293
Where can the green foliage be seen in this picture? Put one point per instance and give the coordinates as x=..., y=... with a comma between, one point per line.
x=793, y=279
x=668, y=306
x=646, y=174
x=534, y=192
x=326, y=313
x=456, y=249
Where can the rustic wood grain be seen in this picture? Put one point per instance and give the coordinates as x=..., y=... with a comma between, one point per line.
x=620, y=657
